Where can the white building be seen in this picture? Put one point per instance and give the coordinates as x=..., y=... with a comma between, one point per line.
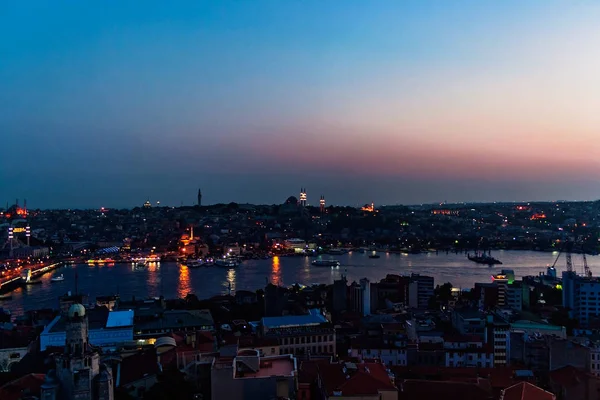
x=115, y=329
x=468, y=352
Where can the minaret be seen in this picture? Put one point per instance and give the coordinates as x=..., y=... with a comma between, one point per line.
x=322, y=204
x=303, y=197
x=199, y=197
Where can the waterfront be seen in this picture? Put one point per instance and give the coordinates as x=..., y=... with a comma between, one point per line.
x=173, y=280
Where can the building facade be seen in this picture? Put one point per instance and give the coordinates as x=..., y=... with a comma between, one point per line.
x=78, y=373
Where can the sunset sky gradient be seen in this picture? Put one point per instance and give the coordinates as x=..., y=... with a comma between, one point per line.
x=107, y=103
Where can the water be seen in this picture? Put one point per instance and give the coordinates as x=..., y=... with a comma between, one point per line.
x=173, y=280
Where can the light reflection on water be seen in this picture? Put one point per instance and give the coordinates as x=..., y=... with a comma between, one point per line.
x=184, y=282
x=173, y=280
x=230, y=281
x=275, y=272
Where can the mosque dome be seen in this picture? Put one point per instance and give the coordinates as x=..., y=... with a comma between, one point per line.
x=291, y=200
x=76, y=310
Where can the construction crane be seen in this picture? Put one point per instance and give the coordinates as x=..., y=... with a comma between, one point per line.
x=566, y=248
x=569, y=260
x=586, y=269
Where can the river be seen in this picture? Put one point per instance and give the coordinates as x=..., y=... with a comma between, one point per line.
x=173, y=280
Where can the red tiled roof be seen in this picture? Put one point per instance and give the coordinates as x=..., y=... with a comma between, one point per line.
x=526, y=391
x=26, y=385
x=309, y=370
x=499, y=377
x=355, y=383
x=413, y=389
x=569, y=376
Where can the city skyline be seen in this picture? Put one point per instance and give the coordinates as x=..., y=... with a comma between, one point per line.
x=393, y=102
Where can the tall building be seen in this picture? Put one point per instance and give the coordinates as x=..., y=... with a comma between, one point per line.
x=424, y=289
x=580, y=296
x=199, y=197
x=78, y=373
x=340, y=294
x=322, y=204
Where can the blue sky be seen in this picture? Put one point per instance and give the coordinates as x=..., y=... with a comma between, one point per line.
x=108, y=103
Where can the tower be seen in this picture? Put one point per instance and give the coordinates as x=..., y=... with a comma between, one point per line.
x=11, y=236
x=303, y=197
x=199, y=197
x=78, y=373
x=322, y=204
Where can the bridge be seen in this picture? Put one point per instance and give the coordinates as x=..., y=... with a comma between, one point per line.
x=12, y=282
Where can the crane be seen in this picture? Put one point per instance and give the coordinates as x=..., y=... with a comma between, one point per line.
x=586, y=268
x=566, y=247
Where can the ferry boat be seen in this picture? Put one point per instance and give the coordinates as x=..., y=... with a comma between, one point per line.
x=484, y=259
x=374, y=256
x=194, y=263
x=140, y=265
x=58, y=278
x=336, y=251
x=326, y=263
x=226, y=262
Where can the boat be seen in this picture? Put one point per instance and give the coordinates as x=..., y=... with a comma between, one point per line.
x=194, y=263
x=326, y=263
x=484, y=259
x=59, y=278
x=374, y=256
x=140, y=265
x=337, y=251
x=226, y=262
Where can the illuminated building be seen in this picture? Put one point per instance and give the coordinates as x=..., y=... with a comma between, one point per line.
x=444, y=212
x=147, y=204
x=303, y=197
x=368, y=207
x=322, y=204
x=538, y=216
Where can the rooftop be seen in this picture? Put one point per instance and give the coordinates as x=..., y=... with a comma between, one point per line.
x=177, y=319
x=433, y=390
x=526, y=324
x=526, y=391
x=290, y=321
x=270, y=366
x=26, y=385
x=117, y=319
x=355, y=379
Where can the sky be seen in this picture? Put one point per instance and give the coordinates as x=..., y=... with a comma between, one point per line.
x=109, y=103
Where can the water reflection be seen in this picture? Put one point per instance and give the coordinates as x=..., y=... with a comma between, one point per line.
x=183, y=287
x=276, y=272
x=230, y=281
x=153, y=279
